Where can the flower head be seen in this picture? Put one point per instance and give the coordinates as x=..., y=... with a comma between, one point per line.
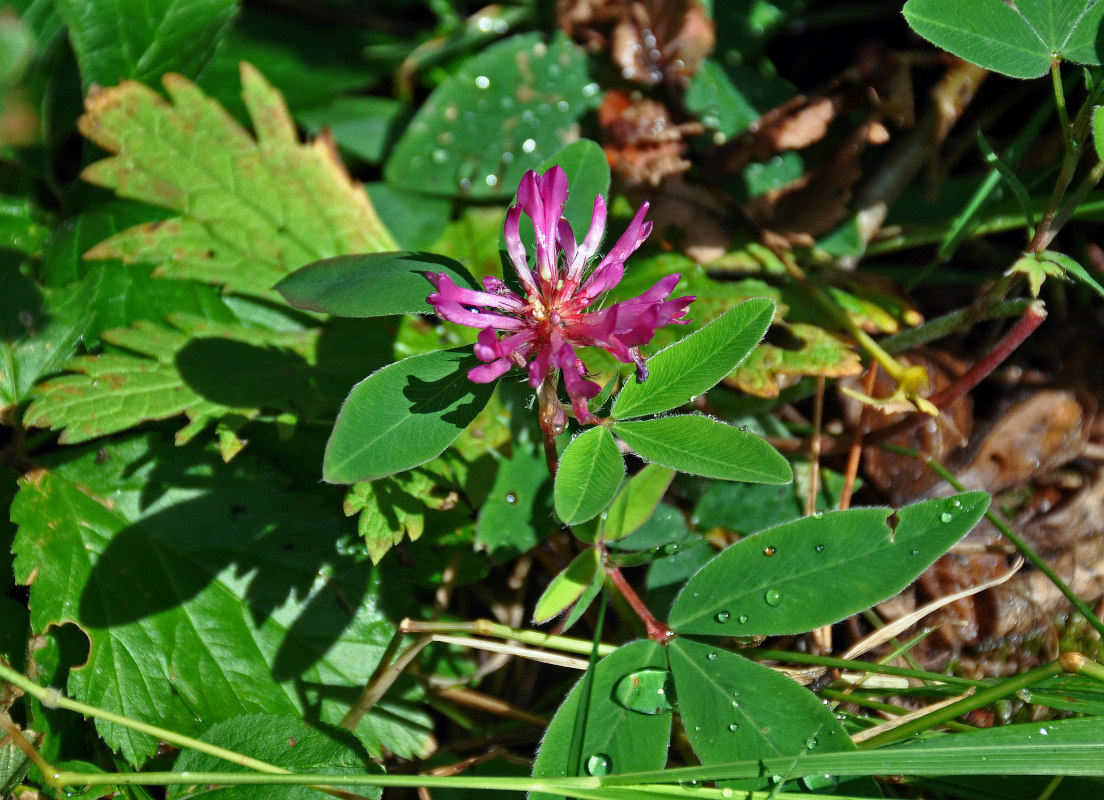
x=541, y=330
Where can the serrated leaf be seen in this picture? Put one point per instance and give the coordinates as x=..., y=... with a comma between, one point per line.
x=568, y=585
x=287, y=742
x=591, y=469
x=403, y=415
x=1016, y=40
x=243, y=224
x=696, y=363
x=615, y=738
x=702, y=446
x=370, y=285
x=389, y=510
x=736, y=710
x=524, y=93
x=206, y=583
x=14, y=765
x=24, y=227
x=820, y=569
x=204, y=369
x=134, y=39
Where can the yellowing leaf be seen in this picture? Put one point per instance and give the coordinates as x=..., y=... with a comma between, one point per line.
x=252, y=209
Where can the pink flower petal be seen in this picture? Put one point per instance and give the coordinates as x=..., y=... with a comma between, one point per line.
x=516, y=249
x=485, y=373
x=447, y=289
x=454, y=312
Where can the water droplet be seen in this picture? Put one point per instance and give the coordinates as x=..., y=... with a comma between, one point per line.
x=916, y=552
x=735, y=703
x=528, y=146
x=727, y=793
x=439, y=156
x=482, y=81
x=563, y=106
x=511, y=498
x=820, y=548
x=590, y=90
x=744, y=428
x=811, y=743
x=491, y=180
x=743, y=619
x=465, y=183
x=599, y=764
x=507, y=157
x=769, y=550
x=773, y=597
x=671, y=549
x=712, y=656
x=946, y=516
x=1043, y=732
x=646, y=691
x=820, y=782
x=733, y=727
x=722, y=616
x=957, y=504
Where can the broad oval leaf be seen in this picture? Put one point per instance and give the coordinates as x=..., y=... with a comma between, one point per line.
x=695, y=364
x=403, y=415
x=502, y=112
x=820, y=569
x=736, y=710
x=287, y=742
x=616, y=739
x=702, y=446
x=636, y=501
x=568, y=586
x=591, y=469
x=1019, y=41
x=371, y=284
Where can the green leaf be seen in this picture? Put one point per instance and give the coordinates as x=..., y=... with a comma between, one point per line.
x=820, y=569
x=1019, y=41
x=616, y=740
x=403, y=415
x=1098, y=131
x=697, y=363
x=134, y=39
x=736, y=710
x=729, y=97
x=636, y=501
x=702, y=446
x=287, y=742
x=503, y=112
x=14, y=765
x=568, y=586
x=360, y=125
x=392, y=508
x=38, y=333
x=591, y=469
x=370, y=285
x=1011, y=180
x=1073, y=269
x=206, y=370
x=242, y=221
x=206, y=590
x=588, y=173
x=517, y=513
x=24, y=227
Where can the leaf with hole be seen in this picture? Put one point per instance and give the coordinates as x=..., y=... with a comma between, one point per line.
x=820, y=569
x=702, y=446
x=696, y=363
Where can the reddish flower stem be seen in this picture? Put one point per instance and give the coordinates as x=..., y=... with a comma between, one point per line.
x=656, y=630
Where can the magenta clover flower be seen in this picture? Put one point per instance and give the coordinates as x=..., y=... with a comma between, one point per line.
x=542, y=329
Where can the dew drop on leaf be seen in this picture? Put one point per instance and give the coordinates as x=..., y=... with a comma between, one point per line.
x=712, y=656
x=820, y=782
x=820, y=548
x=722, y=616
x=743, y=619
x=946, y=516
x=733, y=727
x=599, y=764
x=511, y=498
x=646, y=691
x=811, y=743
x=773, y=597
x=769, y=550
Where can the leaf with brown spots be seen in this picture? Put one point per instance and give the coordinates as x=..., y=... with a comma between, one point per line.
x=252, y=209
